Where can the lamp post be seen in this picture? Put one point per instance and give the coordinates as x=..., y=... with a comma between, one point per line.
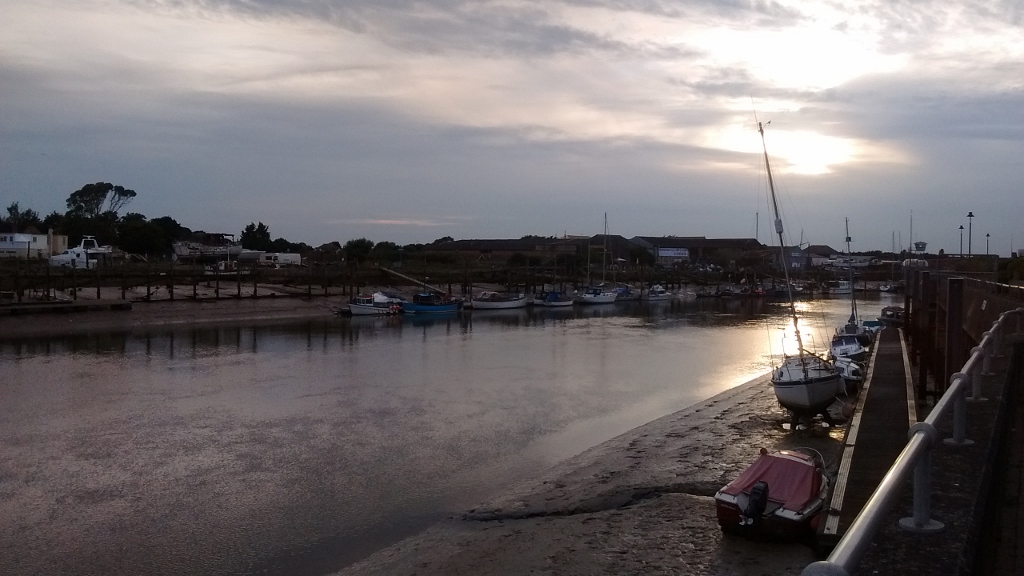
x=961, y=240
x=970, y=215
x=986, y=243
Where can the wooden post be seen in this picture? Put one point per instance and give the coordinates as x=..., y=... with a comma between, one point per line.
x=17, y=284
x=255, y=279
x=195, y=283
x=149, y=281
x=954, y=330
x=238, y=276
x=309, y=280
x=47, y=280
x=74, y=280
x=124, y=282
x=920, y=329
x=170, y=281
x=98, y=282
x=216, y=280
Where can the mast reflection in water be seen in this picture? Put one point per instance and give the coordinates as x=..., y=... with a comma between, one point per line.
x=299, y=448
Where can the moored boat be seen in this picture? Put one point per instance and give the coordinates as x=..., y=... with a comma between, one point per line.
x=780, y=495
x=553, y=299
x=657, y=292
x=378, y=303
x=804, y=384
x=489, y=300
x=431, y=303
x=595, y=295
x=892, y=316
x=853, y=373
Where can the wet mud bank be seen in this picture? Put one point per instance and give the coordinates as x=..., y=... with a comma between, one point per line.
x=640, y=503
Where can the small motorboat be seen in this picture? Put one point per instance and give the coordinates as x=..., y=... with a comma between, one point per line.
x=853, y=373
x=779, y=496
x=892, y=316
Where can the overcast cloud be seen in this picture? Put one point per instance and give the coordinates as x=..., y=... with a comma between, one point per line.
x=411, y=120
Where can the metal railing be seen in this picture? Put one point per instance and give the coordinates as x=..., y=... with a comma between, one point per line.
x=916, y=458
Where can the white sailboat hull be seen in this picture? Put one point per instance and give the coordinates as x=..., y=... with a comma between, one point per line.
x=806, y=391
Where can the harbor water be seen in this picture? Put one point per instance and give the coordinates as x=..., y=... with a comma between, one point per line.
x=299, y=448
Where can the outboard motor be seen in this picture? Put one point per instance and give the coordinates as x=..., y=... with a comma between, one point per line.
x=756, y=504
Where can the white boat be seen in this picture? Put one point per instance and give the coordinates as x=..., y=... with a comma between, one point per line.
x=595, y=295
x=378, y=303
x=839, y=287
x=656, y=293
x=489, y=300
x=88, y=255
x=848, y=346
x=207, y=247
x=853, y=373
x=804, y=384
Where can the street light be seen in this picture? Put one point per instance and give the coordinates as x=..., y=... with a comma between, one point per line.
x=969, y=216
x=986, y=243
x=961, y=240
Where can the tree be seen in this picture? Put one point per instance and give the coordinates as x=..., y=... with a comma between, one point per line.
x=138, y=236
x=256, y=237
x=443, y=240
x=89, y=200
x=358, y=250
x=53, y=221
x=170, y=229
x=21, y=219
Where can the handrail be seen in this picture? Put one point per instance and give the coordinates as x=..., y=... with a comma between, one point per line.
x=916, y=457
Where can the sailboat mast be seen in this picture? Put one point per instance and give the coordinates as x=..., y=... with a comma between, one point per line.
x=782, y=243
x=604, y=248
x=849, y=263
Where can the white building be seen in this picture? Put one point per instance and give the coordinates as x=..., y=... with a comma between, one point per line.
x=31, y=244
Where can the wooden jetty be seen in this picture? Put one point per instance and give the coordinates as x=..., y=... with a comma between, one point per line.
x=54, y=306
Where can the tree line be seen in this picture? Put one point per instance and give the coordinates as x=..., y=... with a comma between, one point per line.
x=94, y=210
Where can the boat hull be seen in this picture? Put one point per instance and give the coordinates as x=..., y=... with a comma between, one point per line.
x=373, y=310
x=413, y=308
x=780, y=495
x=519, y=302
x=807, y=391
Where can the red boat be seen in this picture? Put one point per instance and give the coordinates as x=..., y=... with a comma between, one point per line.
x=778, y=496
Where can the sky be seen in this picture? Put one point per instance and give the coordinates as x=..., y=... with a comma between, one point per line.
x=408, y=121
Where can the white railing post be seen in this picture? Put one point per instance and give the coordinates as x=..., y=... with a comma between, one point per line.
x=961, y=380
x=997, y=340
x=921, y=522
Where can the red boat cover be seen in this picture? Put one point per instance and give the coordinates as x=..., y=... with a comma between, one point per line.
x=792, y=477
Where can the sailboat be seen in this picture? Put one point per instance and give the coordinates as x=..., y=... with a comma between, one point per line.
x=599, y=294
x=805, y=384
x=852, y=339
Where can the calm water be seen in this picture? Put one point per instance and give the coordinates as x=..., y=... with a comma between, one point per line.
x=299, y=448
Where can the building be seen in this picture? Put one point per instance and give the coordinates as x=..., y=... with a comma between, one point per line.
x=544, y=250
x=30, y=243
x=669, y=250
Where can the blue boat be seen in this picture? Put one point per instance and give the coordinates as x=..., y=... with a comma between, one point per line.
x=431, y=303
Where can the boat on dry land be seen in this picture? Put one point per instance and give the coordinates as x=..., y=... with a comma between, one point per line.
x=805, y=384
x=780, y=496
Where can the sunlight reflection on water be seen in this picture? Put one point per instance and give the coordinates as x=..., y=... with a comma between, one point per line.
x=298, y=448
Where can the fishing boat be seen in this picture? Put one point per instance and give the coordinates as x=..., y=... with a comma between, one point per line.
x=780, y=495
x=431, y=303
x=378, y=303
x=489, y=300
x=805, y=384
x=553, y=299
